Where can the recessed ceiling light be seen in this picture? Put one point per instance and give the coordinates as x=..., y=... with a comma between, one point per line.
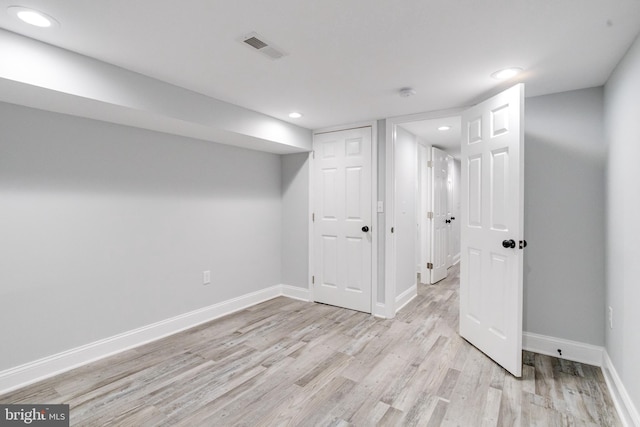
x=406, y=92
x=444, y=128
x=32, y=17
x=295, y=115
x=507, y=73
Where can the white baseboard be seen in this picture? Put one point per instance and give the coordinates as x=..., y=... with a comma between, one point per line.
x=38, y=370
x=455, y=259
x=379, y=310
x=406, y=297
x=591, y=355
x=624, y=405
x=296, y=292
x=571, y=350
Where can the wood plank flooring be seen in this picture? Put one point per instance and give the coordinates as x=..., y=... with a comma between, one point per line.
x=287, y=362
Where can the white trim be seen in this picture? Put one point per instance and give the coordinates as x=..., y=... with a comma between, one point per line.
x=373, y=124
x=406, y=297
x=418, y=117
x=591, y=355
x=627, y=411
x=571, y=350
x=390, y=244
x=379, y=310
x=374, y=215
x=41, y=369
x=310, y=193
x=456, y=259
x=339, y=128
x=296, y=292
x=389, y=220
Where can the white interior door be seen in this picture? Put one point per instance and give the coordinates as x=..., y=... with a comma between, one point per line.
x=342, y=218
x=492, y=215
x=439, y=225
x=450, y=215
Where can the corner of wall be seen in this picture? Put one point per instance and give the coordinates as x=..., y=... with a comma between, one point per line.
x=622, y=401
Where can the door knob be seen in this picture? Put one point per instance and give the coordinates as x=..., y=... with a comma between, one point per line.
x=523, y=244
x=509, y=243
x=365, y=228
x=448, y=221
x=452, y=218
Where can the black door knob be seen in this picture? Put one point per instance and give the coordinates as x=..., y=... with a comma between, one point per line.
x=509, y=243
x=452, y=218
x=365, y=228
x=448, y=221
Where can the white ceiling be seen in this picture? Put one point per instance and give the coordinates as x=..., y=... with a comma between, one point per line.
x=347, y=58
x=448, y=141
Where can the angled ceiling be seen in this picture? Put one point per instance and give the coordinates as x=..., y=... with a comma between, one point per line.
x=346, y=60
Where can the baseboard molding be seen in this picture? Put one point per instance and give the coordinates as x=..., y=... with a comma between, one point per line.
x=591, y=355
x=624, y=405
x=406, y=297
x=38, y=370
x=380, y=310
x=571, y=350
x=296, y=292
x=455, y=259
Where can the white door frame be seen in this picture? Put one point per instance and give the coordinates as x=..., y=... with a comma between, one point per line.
x=374, y=215
x=390, y=186
x=424, y=201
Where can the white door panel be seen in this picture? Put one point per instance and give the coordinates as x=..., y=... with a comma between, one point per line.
x=450, y=215
x=439, y=229
x=342, y=207
x=492, y=212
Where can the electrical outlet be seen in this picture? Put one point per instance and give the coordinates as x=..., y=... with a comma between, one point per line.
x=206, y=277
x=610, y=317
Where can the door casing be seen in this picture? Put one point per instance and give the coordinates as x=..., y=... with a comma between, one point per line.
x=375, y=306
x=390, y=209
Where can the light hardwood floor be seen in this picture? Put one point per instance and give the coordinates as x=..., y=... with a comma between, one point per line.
x=286, y=362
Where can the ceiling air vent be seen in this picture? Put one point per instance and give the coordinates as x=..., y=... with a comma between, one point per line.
x=263, y=46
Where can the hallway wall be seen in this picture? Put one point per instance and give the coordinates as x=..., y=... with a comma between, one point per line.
x=622, y=108
x=564, y=268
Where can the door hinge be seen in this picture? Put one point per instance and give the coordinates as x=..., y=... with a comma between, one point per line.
x=429, y=215
x=313, y=280
x=313, y=217
x=392, y=229
x=430, y=163
x=429, y=266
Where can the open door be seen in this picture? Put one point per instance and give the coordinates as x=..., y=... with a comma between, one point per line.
x=492, y=156
x=440, y=218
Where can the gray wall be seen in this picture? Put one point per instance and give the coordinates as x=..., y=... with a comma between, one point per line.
x=405, y=230
x=564, y=268
x=106, y=228
x=622, y=109
x=295, y=220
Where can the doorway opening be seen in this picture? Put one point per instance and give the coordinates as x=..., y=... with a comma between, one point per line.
x=417, y=243
x=492, y=207
x=437, y=193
